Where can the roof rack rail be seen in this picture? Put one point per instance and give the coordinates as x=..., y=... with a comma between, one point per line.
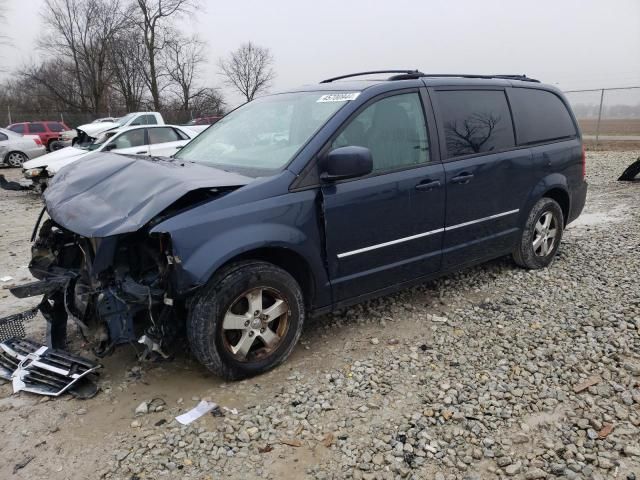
x=409, y=73
x=523, y=78
x=412, y=74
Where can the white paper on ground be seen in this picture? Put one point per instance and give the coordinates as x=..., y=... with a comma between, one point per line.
x=6, y=279
x=196, y=412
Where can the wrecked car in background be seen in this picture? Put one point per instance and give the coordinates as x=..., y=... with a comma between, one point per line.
x=152, y=140
x=301, y=203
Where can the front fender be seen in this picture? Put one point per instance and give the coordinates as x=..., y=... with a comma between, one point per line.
x=205, y=238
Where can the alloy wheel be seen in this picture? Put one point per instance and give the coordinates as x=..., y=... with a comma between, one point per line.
x=544, y=238
x=16, y=159
x=255, y=324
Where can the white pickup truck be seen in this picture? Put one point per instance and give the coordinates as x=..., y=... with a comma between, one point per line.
x=85, y=134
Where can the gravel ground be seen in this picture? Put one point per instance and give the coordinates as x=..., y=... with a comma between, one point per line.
x=493, y=372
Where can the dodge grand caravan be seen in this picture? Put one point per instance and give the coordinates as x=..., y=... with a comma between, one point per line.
x=303, y=202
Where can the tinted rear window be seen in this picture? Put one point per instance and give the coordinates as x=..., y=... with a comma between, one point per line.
x=36, y=128
x=540, y=116
x=475, y=121
x=19, y=128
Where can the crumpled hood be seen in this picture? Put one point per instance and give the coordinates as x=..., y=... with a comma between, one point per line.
x=53, y=157
x=108, y=194
x=93, y=129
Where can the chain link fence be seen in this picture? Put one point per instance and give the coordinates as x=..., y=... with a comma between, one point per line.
x=607, y=114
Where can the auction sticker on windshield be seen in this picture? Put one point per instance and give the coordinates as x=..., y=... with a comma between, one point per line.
x=338, y=97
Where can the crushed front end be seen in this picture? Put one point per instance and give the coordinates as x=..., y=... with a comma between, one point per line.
x=117, y=289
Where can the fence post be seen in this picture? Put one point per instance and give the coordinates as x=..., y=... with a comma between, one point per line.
x=9, y=114
x=599, y=117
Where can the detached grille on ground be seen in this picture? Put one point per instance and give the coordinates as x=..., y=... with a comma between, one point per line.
x=39, y=369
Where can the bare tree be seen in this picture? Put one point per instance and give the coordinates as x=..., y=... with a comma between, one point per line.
x=151, y=19
x=4, y=40
x=79, y=34
x=249, y=69
x=472, y=134
x=128, y=60
x=183, y=58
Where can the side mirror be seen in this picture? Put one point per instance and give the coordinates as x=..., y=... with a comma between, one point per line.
x=346, y=162
x=109, y=147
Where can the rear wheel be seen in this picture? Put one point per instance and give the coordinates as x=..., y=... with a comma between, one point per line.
x=16, y=159
x=541, y=235
x=247, y=320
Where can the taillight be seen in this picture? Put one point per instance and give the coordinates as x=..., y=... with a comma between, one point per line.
x=584, y=163
x=37, y=140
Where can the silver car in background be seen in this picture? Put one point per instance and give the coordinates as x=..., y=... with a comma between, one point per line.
x=15, y=149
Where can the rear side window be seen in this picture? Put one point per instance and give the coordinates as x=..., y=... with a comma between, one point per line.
x=162, y=135
x=540, y=116
x=36, y=128
x=19, y=128
x=475, y=121
x=55, y=127
x=3, y=137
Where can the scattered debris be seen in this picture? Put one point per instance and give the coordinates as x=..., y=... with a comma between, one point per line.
x=142, y=409
x=436, y=318
x=217, y=412
x=589, y=382
x=631, y=173
x=6, y=279
x=199, y=410
x=374, y=341
x=393, y=341
x=292, y=442
x=160, y=422
x=232, y=411
x=328, y=439
x=606, y=429
x=22, y=464
x=266, y=449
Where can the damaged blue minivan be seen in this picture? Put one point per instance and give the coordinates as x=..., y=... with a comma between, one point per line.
x=303, y=202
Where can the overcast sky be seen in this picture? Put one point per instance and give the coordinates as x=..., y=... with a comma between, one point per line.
x=572, y=43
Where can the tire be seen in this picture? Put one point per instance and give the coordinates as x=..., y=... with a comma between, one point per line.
x=15, y=159
x=539, y=255
x=230, y=300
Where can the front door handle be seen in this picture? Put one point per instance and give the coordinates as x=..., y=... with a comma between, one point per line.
x=464, y=177
x=141, y=152
x=428, y=185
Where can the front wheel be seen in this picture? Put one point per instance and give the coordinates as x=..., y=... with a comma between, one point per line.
x=247, y=320
x=541, y=235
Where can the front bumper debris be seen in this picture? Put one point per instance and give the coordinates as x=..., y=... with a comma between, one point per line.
x=45, y=371
x=13, y=325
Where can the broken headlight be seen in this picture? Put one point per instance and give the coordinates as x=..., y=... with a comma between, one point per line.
x=33, y=172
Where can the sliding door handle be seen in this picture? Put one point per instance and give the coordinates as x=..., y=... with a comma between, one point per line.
x=428, y=185
x=464, y=177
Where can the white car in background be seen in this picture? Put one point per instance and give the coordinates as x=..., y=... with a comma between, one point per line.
x=16, y=149
x=150, y=140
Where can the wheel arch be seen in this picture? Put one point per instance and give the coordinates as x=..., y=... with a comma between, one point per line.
x=289, y=260
x=561, y=196
x=553, y=186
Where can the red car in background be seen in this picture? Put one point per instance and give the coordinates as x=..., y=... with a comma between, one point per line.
x=47, y=131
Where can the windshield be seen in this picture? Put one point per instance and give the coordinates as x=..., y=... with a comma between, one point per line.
x=262, y=136
x=100, y=140
x=122, y=120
